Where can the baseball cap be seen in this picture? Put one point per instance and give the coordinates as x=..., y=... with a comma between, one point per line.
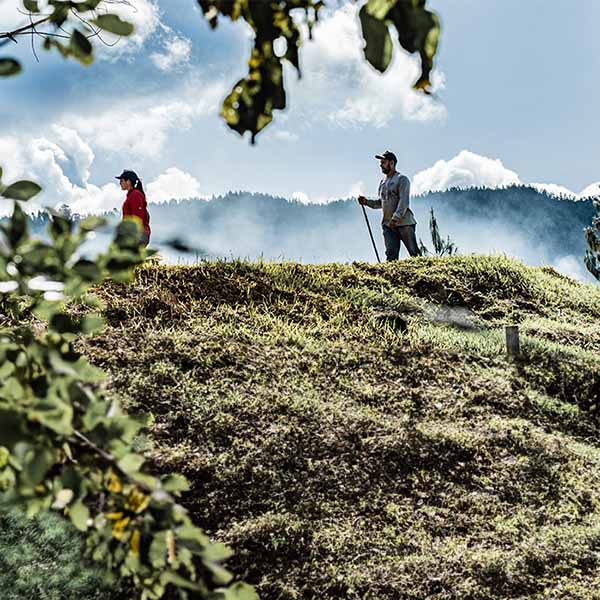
x=130, y=175
x=387, y=155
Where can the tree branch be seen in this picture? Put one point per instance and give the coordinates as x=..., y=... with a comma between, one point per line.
x=25, y=28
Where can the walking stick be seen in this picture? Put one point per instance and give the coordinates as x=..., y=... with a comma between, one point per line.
x=370, y=232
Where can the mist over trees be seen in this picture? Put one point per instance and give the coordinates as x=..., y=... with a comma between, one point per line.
x=519, y=221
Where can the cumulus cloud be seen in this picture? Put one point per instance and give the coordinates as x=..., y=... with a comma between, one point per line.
x=301, y=197
x=467, y=169
x=61, y=163
x=355, y=190
x=47, y=161
x=590, y=191
x=145, y=16
x=173, y=184
x=11, y=15
x=176, y=53
x=141, y=126
x=342, y=88
x=555, y=189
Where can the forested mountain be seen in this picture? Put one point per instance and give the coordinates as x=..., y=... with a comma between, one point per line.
x=518, y=221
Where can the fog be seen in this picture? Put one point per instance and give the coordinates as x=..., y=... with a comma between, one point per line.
x=518, y=221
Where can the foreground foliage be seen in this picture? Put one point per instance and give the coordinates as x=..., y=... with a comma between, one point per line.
x=65, y=446
x=357, y=431
x=71, y=26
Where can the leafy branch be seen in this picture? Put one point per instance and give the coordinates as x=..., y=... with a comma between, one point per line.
x=66, y=446
x=76, y=22
x=250, y=104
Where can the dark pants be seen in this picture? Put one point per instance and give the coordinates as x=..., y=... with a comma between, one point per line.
x=392, y=238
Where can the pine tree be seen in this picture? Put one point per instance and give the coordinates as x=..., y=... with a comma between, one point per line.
x=442, y=247
x=592, y=235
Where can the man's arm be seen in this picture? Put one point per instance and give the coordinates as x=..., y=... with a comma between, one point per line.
x=370, y=203
x=403, y=198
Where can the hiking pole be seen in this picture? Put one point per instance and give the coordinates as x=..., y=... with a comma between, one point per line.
x=370, y=232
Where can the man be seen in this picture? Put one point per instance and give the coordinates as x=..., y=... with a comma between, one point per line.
x=398, y=221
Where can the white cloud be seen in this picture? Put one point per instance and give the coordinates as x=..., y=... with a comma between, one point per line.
x=357, y=189
x=590, y=191
x=173, y=184
x=301, y=197
x=554, y=190
x=285, y=136
x=177, y=52
x=11, y=15
x=464, y=170
x=47, y=160
x=140, y=126
x=145, y=16
x=342, y=88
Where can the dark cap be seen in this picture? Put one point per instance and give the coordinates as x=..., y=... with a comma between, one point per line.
x=387, y=155
x=130, y=175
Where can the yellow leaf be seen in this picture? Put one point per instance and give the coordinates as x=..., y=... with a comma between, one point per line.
x=135, y=542
x=114, y=484
x=119, y=528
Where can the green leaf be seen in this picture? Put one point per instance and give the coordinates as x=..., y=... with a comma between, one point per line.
x=220, y=575
x=378, y=42
x=217, y=551
x=418, y=31
x=88, y=270
x=113, y=24
x=22, y=190
x=79, y=514
x=179, y=581
x=237, y=591
x=16, y=229
x=54, y=414
x=95, y=414
x=158, y=550
x=175, y=483
x=4, y=456
x=81, y=48
x=9, y=67
x=131, y=463
x=31, y=6
x=92, y=223
x=35, y=465
x=92, y=324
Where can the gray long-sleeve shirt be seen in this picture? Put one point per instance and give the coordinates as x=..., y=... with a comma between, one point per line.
x=394, y=195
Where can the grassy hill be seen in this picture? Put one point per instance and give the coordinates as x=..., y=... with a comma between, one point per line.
x=357, y=431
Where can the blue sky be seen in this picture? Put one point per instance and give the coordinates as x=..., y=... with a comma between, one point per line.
x=517, y=82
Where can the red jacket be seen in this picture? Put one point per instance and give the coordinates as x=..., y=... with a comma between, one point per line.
x=135, y=205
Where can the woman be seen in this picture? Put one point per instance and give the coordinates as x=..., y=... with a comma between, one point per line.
x=135, y=206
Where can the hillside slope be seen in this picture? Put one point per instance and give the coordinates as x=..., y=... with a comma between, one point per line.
x=357, y=431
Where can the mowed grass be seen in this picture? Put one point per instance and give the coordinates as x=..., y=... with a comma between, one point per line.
x=358, y=432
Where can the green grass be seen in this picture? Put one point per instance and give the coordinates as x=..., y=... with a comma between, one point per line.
x=357, y=431
x=41, y=559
